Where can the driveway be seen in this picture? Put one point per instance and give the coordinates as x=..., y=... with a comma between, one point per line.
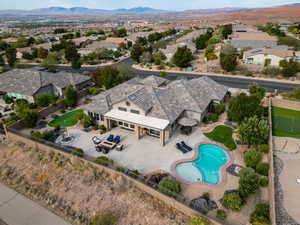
x=15, y=209
x=146, y=155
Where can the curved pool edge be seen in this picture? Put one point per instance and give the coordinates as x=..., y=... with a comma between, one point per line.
x=195, y=156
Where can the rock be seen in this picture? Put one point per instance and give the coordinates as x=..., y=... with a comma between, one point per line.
x=212, y=205
x=200, y=204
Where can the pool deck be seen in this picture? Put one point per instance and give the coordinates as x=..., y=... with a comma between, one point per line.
x=196, y=155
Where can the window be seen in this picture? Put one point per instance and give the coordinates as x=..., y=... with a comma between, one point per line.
x=126, y=125
x=101, y=117
x=155, y=133
x=127, y=103
x=97, y=116
x=122, y=109
x=131, y=126
x=135, y=111
x=120, y=123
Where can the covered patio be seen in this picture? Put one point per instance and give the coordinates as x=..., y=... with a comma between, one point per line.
x=141, y=125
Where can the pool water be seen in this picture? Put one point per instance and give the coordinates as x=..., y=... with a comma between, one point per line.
x=207, y=167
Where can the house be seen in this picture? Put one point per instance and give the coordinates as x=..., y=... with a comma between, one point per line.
x=134, y=36
x=151, y=106
x=273, y=55
x=171, y=49
x=21, y=51
x=253, y=40
x=28, y=83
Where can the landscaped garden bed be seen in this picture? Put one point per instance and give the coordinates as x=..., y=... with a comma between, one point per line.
x=222, y=134
x=66, y=120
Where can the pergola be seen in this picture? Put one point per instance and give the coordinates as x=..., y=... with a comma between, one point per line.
x=187, y=125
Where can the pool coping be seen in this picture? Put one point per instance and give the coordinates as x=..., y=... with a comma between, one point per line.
x=195, y=156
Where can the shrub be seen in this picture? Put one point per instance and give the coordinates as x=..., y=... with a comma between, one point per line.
x=272, y=71
x=263, y=182
x=94, y=91
x=7, y=99
x=86, y=121
x=252, y=158
x=103, y=160
x=45, y=135
x=213, y=117
x=261, y=214
x=102, y=128
x=199, y=220
x=104, y=218
x=206, y=196
x=248, y=183
x=220, y=109
x=169, y=187
x=221, y=214
x=120, y=169
x=264, y=148
x=262, y=169
x=232, y=201
x=78, y=152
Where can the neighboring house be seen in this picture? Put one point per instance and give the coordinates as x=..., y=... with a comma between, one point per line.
x=273, y=55
x=98, y=45
x=171, y=49
x=152, y=107
x=191, y=36
x=243, y=40
x=297, y=56
x=28, y=83
x=21, y=51
x=134, y=36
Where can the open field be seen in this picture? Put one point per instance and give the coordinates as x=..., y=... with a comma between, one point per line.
x=286, y=122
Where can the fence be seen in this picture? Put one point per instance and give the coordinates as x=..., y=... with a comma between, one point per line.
x=177, y=201
x=271, y=172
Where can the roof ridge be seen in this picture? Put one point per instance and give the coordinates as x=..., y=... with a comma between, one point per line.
x=160, y=103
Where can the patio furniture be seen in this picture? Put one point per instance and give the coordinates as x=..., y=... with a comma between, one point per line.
x=105, y=151
x=186, y=146
x=181, y=148
x=187, y=125
x=117, y=139
x=98, y=148
x=96, y=140
x=110, y=138
x=108, y=145
x=119, y=147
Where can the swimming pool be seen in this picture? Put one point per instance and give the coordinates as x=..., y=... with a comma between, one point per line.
x=206, y=167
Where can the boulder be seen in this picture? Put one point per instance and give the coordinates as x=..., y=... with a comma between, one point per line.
x=200, y=204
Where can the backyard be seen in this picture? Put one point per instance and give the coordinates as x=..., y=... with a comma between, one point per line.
x=222, y=134
x=66, y=120
x=286, y=122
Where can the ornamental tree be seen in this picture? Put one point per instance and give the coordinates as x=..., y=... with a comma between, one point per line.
x=252, y=158
x=253, y=131
x=248, y=183
x=182, y=57
x=70, y=96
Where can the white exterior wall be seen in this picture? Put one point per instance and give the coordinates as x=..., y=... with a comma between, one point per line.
x=259, y=59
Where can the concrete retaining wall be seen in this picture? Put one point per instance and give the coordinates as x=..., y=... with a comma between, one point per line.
x=271, y=172
x=139, y=184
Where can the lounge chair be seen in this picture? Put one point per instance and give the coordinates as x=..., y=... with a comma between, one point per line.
x=181, y=148
x=186, y=146
x=98, y=148
x=117, y=139
x=96, y=140
x=110, y=138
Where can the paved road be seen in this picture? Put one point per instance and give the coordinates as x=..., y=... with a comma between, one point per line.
x=15, y=209
x=234, y=82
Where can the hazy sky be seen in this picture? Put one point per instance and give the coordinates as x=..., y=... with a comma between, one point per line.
x=159, y=4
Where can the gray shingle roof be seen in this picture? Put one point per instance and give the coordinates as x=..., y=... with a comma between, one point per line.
x=29, y=81
x=167, y=102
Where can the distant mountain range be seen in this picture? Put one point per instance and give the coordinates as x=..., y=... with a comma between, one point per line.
x=83, y=11
x=132, y=11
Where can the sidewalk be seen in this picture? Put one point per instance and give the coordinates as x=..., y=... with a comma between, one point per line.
x=15, y=209
x=138, y=67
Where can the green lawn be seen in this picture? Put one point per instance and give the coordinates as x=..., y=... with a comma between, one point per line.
x=222, y=134
x=66, y=120
x=286, y=122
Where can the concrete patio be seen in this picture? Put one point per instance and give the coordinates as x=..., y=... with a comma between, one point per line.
x=146, y=155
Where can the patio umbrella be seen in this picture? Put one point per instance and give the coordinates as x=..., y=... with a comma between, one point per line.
x=187, y=122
